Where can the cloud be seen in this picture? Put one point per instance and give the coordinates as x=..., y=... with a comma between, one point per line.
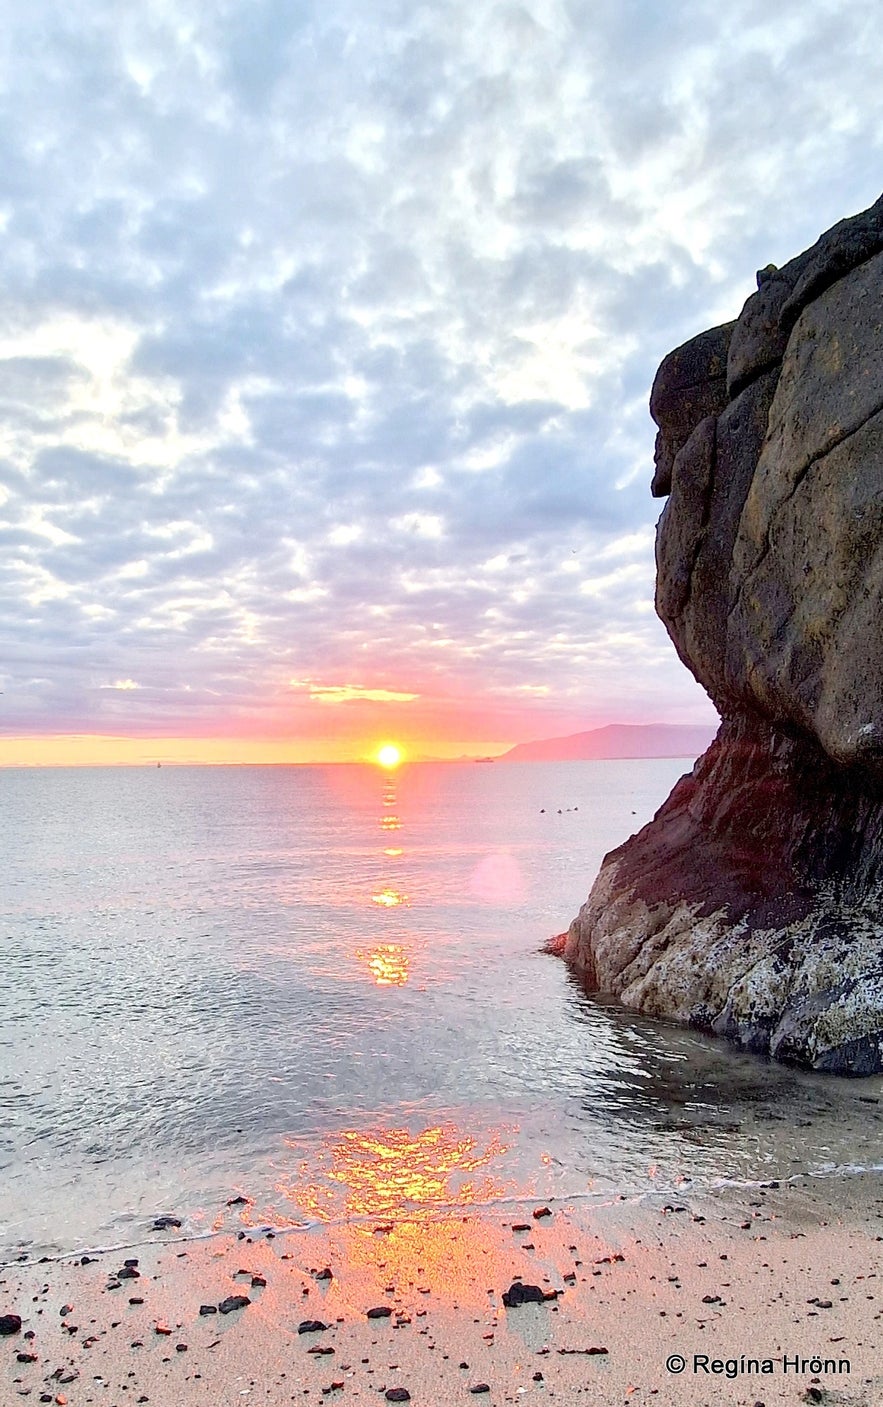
x=328, y=333
x=350, y=693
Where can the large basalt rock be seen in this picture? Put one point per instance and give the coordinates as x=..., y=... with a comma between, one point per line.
x=752, y=905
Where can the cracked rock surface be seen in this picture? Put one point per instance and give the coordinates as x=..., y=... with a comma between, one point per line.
x=752, y=905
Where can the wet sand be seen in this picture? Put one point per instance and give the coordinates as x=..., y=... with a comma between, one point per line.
x=771, y=1294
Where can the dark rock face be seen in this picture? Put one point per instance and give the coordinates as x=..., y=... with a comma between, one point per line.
x=751, y=904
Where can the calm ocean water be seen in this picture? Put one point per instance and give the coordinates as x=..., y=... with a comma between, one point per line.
x=322, y=987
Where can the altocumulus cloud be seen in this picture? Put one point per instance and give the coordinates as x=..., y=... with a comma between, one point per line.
x=328, y=331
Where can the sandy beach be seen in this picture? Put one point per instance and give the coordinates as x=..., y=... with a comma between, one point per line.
x=769, y=1294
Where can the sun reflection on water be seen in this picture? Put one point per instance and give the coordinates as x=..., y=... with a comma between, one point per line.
x=389, y=964
x=399, y=1207
x=389, y=898
x=378, y=1172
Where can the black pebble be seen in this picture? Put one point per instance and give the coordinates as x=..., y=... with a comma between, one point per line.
x=166, y=1223
x=398, y=1394
x=208, y=1309
x=382, y=1311
x=522, y=1294
x=232, y=1302
x=311, y=1326
x=480, y=1387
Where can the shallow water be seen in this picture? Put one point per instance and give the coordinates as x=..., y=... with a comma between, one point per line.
x=322, y=986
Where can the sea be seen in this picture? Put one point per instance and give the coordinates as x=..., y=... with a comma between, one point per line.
x=282, y=996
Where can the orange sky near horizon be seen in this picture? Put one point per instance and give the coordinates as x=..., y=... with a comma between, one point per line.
x=85, y=750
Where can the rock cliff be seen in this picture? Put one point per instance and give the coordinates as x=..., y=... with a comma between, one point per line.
x=752, y=904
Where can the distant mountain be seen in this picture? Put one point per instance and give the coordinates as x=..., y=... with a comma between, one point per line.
x=618, y=740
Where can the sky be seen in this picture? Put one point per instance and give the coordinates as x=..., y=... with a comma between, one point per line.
x=327, y=336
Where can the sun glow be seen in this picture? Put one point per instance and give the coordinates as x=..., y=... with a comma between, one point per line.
x=389, y=755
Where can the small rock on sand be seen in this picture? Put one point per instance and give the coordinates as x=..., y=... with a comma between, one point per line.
x=232, y=1302
x=311, y=1326
x=10, y=1323
x=522, y=1294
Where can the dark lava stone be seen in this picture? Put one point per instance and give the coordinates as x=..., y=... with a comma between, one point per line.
x=232, y=1302
x=383, y=1311
x=311, y=1326
x=10, y=1323
x=522, y=1294
x=398, y=1394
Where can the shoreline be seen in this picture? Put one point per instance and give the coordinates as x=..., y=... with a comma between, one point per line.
x=753, y=1279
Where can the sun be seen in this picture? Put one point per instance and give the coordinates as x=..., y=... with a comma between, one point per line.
x=389, y=755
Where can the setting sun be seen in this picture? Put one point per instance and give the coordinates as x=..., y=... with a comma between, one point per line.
x=389, y=755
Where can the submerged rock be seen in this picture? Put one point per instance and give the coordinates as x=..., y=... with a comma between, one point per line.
x=750, y=906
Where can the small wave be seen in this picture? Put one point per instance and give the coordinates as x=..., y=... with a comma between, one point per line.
x=407, y=1215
